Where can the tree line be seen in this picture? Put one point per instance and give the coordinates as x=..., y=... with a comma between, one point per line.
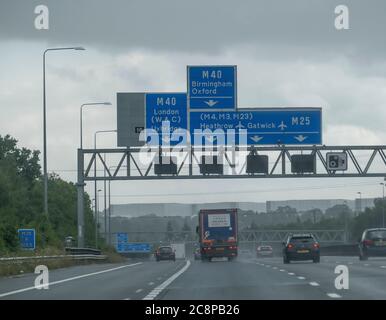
x=21, y=201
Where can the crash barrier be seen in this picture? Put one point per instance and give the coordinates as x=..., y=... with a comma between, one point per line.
x=82, y=251
x=57, y=257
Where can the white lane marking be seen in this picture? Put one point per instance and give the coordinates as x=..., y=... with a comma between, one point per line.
x=282, y=270
x=291, y=273
x=366, y=264
x=301, y=278
x=155, y=292
x=334, y=295
x=274, y=268
x=314, y=284
x=68, y=279
x=127, y=299
x=138, y=291
x=151, y=283
x=383, y=267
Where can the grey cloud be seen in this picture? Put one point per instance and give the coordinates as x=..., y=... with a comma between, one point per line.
x=206, y=26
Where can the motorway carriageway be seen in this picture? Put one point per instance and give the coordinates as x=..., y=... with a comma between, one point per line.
x=245, y=278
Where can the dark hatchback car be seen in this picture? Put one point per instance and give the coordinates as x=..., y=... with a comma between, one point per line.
x=372, y=243
x=165, y=253
x=301, y=247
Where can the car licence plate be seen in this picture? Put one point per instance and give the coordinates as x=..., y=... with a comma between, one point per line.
x=303, y=251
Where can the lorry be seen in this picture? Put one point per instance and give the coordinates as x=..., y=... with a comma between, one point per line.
x=217, y=230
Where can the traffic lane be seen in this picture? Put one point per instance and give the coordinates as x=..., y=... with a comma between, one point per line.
x=223, y=280
x=365, y=281
x=131, y=282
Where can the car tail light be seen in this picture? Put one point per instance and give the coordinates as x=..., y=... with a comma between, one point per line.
x=368, y=242
x=290, y=246
x=232, y=247
x=316, y=245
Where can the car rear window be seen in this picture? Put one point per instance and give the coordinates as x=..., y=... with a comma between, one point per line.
x=302, y=239
x=165, y=249
x=377, y=234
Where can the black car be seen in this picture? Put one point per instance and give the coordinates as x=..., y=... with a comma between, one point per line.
x=301, y=247
x=165, y=253
x=372, y=243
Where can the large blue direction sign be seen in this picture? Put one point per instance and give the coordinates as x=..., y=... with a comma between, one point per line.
x=166, y=108
x=212, y=87
x=258, y=126
x=27, y=238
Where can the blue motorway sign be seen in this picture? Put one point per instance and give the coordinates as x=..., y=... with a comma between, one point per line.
x=258, y=126
x=134, y=247
x=212, y=87
x=27, y=238
x=166, y=108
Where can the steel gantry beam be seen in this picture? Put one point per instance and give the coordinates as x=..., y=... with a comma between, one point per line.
x=245, y=236
x=233, y=161
x=138, y=163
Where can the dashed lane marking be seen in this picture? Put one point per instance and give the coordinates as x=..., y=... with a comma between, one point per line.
x=314, y=284
x=334, y=295
x=155, y=292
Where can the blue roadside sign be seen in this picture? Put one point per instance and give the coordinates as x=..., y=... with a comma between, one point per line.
x=166, y=113
x=212, y=87
x=27, y=238
x=294, y=126
x=138, y=247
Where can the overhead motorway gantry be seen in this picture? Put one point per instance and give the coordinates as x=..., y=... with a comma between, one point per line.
x=128, y=166
x=227, y=163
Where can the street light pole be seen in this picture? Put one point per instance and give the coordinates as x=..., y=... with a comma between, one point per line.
x=104, y=169
x=80, y=184
x=45, y=173
x=96, y=218
x=383, y=204
x=360, y=201
x=81, y=116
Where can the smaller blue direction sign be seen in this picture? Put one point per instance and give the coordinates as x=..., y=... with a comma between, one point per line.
x=27, y=239
x=212, y=87
x=295, y=126
x=165, y=113
x=138, y=247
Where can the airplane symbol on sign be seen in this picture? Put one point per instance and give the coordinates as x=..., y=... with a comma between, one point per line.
x=239, y=126
x=282, y=125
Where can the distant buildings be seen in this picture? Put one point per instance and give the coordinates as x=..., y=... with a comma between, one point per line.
x=189, y=210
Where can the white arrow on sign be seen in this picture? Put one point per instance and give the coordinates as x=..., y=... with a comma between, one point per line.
x=211, y=102
x=211, y=139
x=300, y=138
x=256, y=138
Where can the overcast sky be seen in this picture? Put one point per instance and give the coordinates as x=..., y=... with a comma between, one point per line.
x=288, y=53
